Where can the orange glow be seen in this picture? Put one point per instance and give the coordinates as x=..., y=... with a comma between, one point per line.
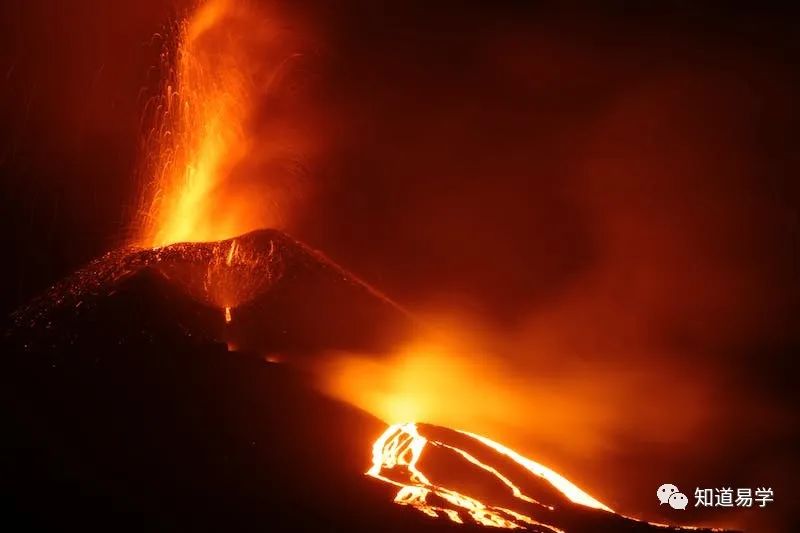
x=459, y=375
x=395, y=458
x=200, y=139
x=399, y=451
x=231, y=272
x=452, y=377
x=455, y=386
x=197, y=153
x=201, y=157
x=561, y=483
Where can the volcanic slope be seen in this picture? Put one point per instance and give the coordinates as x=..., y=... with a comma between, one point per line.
x=138, y=395
x=264, y=292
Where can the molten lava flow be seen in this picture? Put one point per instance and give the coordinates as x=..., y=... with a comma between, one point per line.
x=395, y=459
x=401, y=446
x=469, y=478
x=558, y=481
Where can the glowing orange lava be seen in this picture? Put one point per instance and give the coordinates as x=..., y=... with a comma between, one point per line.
x=207, y=174
x=470, y=478
x=395, y=458
x=199, y=137
x=558, y=481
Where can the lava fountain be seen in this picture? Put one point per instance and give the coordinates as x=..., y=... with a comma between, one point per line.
x=199, y=154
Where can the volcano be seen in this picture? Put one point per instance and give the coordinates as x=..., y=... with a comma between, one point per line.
x=143, y=394
x=253, y=291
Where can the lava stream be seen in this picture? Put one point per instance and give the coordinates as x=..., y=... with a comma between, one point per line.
x=395, y=458
x=500, y=482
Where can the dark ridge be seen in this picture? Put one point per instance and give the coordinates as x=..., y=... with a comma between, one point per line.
x=284, y=297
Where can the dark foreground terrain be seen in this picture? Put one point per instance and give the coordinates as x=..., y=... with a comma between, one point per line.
x=130, y=403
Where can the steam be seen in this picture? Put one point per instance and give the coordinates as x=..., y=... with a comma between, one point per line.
x=525, y=387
